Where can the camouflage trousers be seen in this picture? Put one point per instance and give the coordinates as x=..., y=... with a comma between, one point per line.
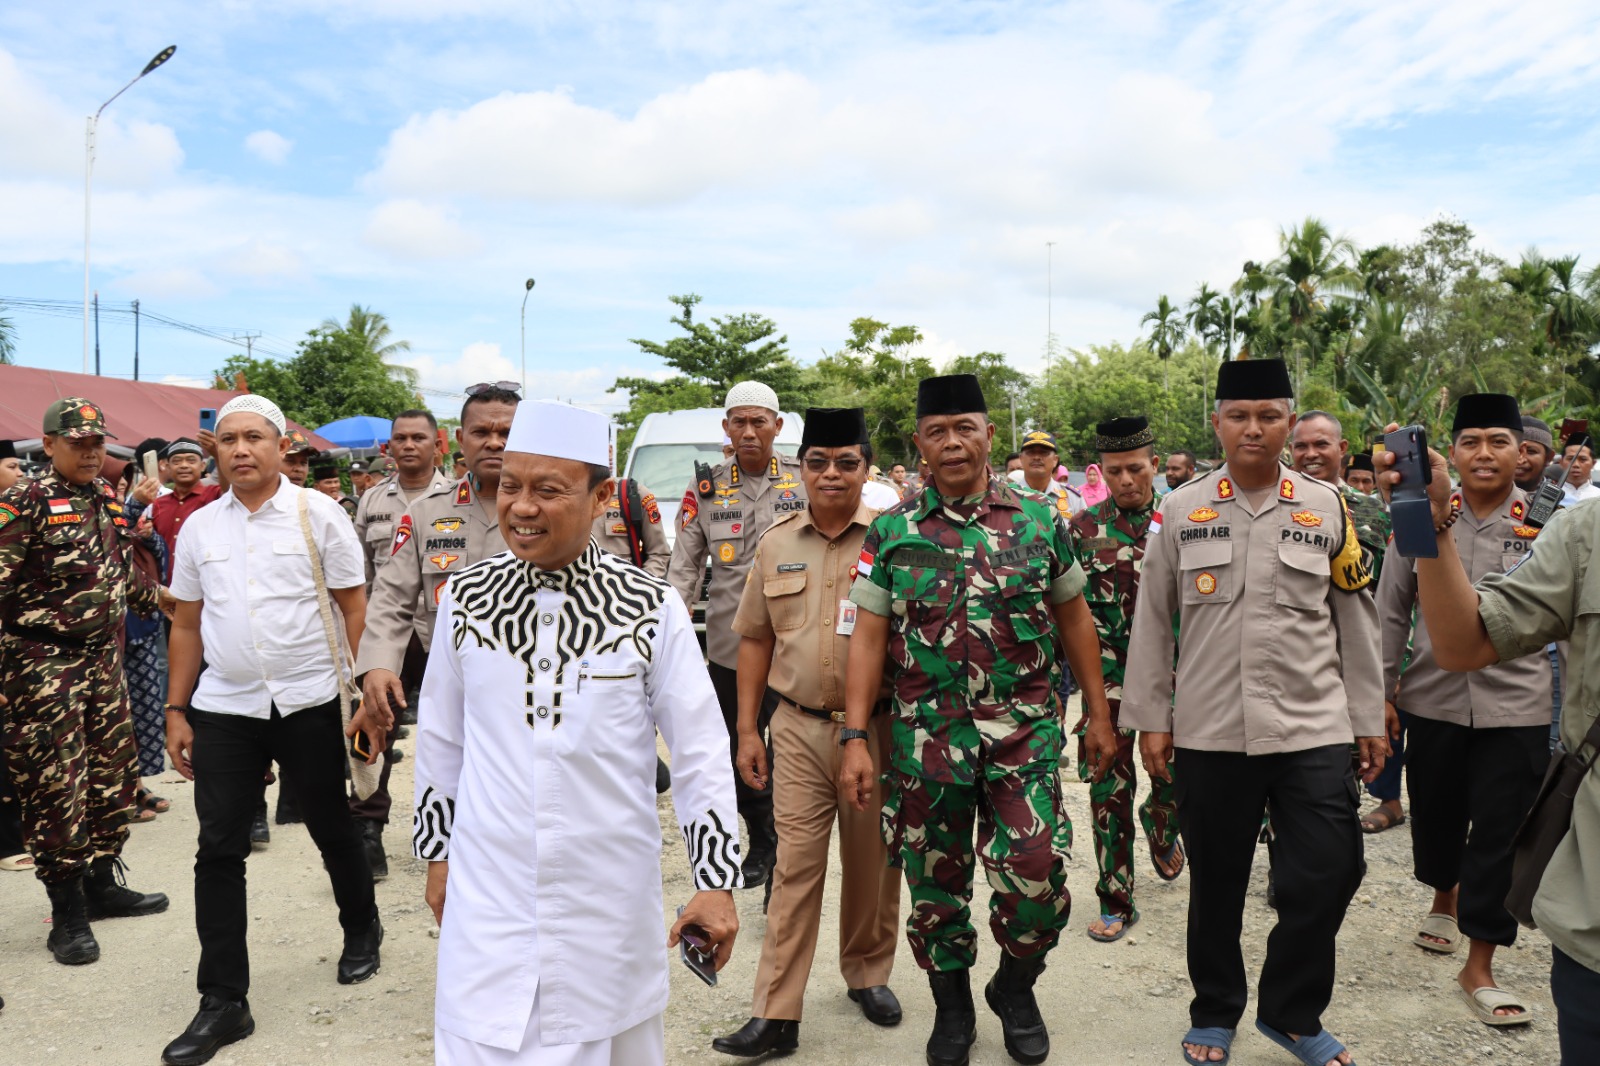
x=1111, y=806
x=70, y=751
x=1024, y=838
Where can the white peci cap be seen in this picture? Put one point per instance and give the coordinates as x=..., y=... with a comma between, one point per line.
x=560, y=431
x=752, y=394
x=255, y=405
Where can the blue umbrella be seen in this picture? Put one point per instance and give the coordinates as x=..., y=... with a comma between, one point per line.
x=359, y=431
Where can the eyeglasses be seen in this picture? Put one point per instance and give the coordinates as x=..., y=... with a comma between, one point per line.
x=494, y=386
x=848, y=465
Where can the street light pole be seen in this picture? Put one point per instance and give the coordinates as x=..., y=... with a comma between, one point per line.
x=527, y=290
x=88, y=183
x=1049, y=298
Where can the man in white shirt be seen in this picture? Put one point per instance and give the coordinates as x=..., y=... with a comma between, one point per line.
x=1578, y=458
x=553, y=665
x=248, y=603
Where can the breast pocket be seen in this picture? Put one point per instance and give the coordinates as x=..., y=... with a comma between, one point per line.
x=922, y=596
x=786, y=600
x=214, y=573
x=1100, y=574
x=1023, y=600
x=1207, y=572
x=1508, y=560
x=1303, y=576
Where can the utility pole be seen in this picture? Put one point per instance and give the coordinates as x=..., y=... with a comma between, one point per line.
x=1012, y=396
x=136, y=340
x=96, y=334
x=1049, y=299
x=249, y=342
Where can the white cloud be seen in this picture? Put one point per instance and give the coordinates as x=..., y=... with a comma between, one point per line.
x=268, y=146
x=410, y=230
x=484, y=361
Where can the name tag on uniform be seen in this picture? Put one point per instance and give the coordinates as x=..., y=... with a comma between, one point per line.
x=847, y=618
x=1020, y=554
x=928, y=560
x=1099, y=544
x=790, y=568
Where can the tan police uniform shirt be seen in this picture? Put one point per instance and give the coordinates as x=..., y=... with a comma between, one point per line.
x=611, y=534
x=798, y=594
x=445, y=530
x=1511, y=693
x=380, y=508
x=726, y=526
x=1279, y=646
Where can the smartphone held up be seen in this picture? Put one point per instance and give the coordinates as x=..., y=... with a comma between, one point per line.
x=1410, y=511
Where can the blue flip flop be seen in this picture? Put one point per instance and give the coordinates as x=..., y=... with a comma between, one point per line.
x=1317, y=1049
x=1107, y=919
x=1211, y=1036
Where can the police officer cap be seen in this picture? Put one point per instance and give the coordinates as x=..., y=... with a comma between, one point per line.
x=1362, y=461
x=183, y=446
x=358, y=467
x=1254, y=379
x=1126, y=434
x=834, y=427
x=1487, y=410
x=1038, y=438
x=7, y=450
x=953, y=394
x=324, y=468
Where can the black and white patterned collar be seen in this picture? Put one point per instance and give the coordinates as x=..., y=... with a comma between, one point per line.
x=574, y=573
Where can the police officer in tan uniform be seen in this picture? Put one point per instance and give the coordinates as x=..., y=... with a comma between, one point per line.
x=1278, y=671
x=411, y=446
x=795, y=618
x=724, y=513
x=446, y=529
x=611, y=533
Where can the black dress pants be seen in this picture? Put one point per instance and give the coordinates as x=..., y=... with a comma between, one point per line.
x=1470, y=789
x=754, y=804
x=1317, y=863
x=376, y=807
x=230, y=754
x=1576, y=991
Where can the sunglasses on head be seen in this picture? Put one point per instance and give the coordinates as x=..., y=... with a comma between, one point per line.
x=494, y=386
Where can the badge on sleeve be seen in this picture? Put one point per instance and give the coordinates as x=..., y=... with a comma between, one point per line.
x=402, y=534
x=7, y=513
x=688, y=509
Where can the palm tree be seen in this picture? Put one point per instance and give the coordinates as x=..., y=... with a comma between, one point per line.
x=8, y=340
x=374, y=330
x=1166, y=332
x=1572, y=321
x=1314, y=265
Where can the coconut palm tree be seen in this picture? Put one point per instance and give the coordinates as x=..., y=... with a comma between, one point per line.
x=374, y=330
x=8, y=340
x=1167, y=331
x=1571, y=320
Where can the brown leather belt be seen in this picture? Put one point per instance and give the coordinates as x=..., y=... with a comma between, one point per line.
x=881, y=707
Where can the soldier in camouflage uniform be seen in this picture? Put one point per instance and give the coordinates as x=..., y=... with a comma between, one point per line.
x=65, y=588
x=1108, y=541
x=965, y=590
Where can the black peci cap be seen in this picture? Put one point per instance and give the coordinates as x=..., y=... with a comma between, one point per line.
x=953, y=394
x=7, y=450
x=1254, y=379
x=1487, y=410
x=1362, y=461
x=324, y=468
x=834, y=427
x=1125, y=434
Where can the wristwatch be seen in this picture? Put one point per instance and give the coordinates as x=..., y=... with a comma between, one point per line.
x=847, y=735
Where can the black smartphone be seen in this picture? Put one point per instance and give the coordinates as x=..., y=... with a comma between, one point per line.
x=694, y=948
x=1410, y=512
x=359, y=747
x=208, y=419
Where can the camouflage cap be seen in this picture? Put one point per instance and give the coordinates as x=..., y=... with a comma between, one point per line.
x=298, y=442
x=75, y=417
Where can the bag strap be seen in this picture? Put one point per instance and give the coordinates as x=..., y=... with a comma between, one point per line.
x=341, y=658
x=631, y=506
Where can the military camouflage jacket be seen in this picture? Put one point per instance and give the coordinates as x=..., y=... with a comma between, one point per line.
x=968, y=588
x=1372, y=526
x=1108, y=543
x=63, y=561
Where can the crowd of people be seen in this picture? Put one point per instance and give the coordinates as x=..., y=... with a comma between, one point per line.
x=886, y=652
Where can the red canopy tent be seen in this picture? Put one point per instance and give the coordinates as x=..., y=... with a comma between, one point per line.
x=134, y=409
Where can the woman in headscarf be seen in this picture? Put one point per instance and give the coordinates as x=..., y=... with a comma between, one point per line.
x=1094, y=488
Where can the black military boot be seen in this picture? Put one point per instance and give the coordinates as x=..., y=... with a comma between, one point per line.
x=219, y=1022
x=372, y=839
x=955, y=1019
x=71, y=940
x=1010, y=995
x=109, y=896
x=260, y=832
x=360, y=958
x=759, y=1036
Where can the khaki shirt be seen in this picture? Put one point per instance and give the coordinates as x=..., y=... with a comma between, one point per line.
x=1275, y=654
x=380, y=508
x=1514, y=693
x=1554, y=594
x=726, y=526
x=798, y=594
x=611, y=533
x=445, y=530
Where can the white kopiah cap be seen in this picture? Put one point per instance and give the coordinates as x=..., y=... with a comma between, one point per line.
x=255, y=405
x=752, y=394
x=560, y=431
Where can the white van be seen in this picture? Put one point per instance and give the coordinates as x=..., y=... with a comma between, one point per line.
x=670, y=443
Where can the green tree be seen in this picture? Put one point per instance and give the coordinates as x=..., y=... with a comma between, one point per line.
x=334, y=374
x=876, y=369
x=1166, y=331
x=8, y=340
x=372, y=329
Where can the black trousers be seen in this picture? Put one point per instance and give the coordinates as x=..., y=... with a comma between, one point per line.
x=1576, y=991
x=1317, y=863
x=231, y=753
x=376, y=806
x=1470, y=789
x=754, y=804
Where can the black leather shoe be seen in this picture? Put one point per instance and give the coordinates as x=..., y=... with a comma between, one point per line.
x=372, y=839
x=955, y=1019
x=878, y=1003
x=663, y=776
x=360, y=958
x=219, y=1023
x=759, y=1036
x=71, y=940
x=1009, y=994
x=107, y=893
x=260, y=833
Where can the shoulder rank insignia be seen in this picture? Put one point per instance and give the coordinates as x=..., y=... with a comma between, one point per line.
x=776, y=470
x=1202, y=514
x=1224, y=489
x=463, y=493
x=1518, y=511
x=1286, y=489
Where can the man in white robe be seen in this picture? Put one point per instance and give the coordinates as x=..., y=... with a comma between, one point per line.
x=553, y=666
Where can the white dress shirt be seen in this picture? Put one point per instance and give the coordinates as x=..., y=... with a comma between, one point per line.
x=878, y=496
x=260, y=624
x=535, y=779
x=1571, y=494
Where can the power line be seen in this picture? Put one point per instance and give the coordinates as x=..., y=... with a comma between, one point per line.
x=227, y=335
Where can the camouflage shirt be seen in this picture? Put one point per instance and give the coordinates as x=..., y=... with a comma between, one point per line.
x=63, y=561
x=968, y=586
x=1108, y=543
x=1372, y=525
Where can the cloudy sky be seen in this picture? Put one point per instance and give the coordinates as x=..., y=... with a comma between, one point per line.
x=811, y=161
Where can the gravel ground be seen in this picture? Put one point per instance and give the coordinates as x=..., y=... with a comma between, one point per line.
x=1118, y=1003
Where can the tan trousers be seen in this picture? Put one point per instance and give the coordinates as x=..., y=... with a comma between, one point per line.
x=805, y=765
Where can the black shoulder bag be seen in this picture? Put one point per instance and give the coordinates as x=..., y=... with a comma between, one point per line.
x=1547, y=823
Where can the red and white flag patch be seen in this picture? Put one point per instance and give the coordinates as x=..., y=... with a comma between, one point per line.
x=864, y=564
